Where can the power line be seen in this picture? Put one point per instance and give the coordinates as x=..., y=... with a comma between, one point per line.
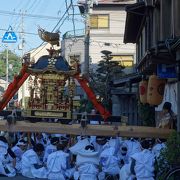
x=52, y=30
x=33, y=3
x=62, y=17
x=20, y=32
x=28, y=15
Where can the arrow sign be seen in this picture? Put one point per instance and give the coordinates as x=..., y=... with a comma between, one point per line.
x=9, y=36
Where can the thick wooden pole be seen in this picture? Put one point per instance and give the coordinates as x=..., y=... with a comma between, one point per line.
x=76, y=129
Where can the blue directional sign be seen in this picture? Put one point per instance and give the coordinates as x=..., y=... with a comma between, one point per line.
x=9, y=36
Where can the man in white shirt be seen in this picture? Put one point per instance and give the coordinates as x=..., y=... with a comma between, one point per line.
x=133, y=146
x=141, y=165
x=109, y=160
x=87, y=164
x=31, y=166
x=57, y=164
x=18, y=150
x=6, y=166
x=50, y=148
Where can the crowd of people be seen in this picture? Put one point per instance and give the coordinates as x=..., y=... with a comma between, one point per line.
x=60, y=157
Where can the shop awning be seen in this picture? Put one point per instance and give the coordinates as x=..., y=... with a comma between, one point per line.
x=134, y=20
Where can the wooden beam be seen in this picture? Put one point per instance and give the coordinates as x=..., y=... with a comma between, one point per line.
x=76, y=129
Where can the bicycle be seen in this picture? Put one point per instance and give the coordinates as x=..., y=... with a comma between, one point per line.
x=173, y=174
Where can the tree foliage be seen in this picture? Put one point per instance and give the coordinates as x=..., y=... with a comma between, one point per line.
x=147, y=114
x=14, y=64
x=169, y=157
x=102, y=78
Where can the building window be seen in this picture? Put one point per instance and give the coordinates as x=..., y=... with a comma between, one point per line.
x=99, y=21
x=124, y=60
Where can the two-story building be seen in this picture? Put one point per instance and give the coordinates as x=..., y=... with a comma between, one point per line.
x=155, y=28
x=107, y=24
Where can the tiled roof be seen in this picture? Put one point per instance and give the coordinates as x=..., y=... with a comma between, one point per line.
x=110, y=2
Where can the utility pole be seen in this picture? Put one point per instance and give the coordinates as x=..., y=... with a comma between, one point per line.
x=22, y=53
x=88, y=6
x=7, y=67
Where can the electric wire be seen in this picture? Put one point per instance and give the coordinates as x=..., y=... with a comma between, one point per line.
x=51, y=31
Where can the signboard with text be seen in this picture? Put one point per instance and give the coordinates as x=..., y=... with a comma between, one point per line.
x=166, y=71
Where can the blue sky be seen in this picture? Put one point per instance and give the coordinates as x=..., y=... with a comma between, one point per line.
x=55, y=8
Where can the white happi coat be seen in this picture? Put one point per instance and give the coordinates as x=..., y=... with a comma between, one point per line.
x=109, y=161
x=57, y=165
x=144, y=166
x=29, y=159
x=18, y=152
x=87, y=162
x=81, y=144
x=48, y=150
x=5, y=161
x=133, y=147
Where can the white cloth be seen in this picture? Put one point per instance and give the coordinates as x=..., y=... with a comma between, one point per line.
x=133, y=147
x=18, y=152
x=57, y=165
x=144, y=167
x=87, y=162
x=48, y=150
x=3, y=148
x=87, y=156
x=125, y=173
x=81, y=144
x=109, y=161
x=123, y=159
x=29, y=159
x=5, y=164
x=88, y=171
x=157, y=149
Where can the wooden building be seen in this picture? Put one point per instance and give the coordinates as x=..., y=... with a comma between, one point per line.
x=155, y=28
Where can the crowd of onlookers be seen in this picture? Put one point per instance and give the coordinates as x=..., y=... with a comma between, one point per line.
x=60, y=157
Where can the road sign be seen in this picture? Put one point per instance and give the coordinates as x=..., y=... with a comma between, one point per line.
x=9, y=36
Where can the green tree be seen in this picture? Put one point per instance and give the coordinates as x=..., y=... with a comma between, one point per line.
x=102, y=78
x=169, y=157
x=147, y=114
x=14, y=64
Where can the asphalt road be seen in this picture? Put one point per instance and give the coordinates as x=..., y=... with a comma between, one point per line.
x=18, y=178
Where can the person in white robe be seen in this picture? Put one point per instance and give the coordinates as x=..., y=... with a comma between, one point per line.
x=133, y=146
x=158, y=147
x=31, y=165
x=81, y=144
x=6, y=166
x=109, y=162
x=122, y=156
x=100, y=144
x=57, y=163
x=87, y=164
x=18, y=150
x=50, y=148
x=141, y=166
